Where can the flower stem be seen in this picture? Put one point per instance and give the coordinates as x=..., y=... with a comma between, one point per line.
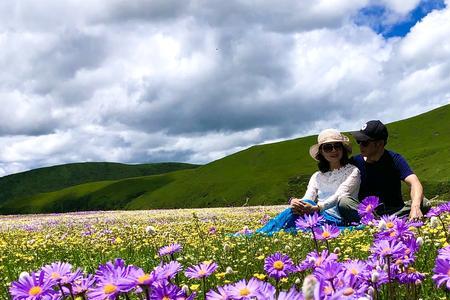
x=147, y=293
x=389, y=277
x=315, y=240
x=443, y=227
x=204, y=287
x=61, y=289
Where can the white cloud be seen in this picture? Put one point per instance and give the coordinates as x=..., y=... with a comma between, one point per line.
x=401, y=7
x=159, y=81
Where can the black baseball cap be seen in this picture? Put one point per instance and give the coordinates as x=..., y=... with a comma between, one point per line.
x=372, y=130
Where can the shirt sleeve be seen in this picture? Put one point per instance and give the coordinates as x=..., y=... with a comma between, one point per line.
x=311, y=191
x=349, y=186
x=401, y=165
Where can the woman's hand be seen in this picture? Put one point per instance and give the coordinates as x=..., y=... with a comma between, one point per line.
x=300, y=208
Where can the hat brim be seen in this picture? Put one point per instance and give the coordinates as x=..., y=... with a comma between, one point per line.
x=314, y=149
x=359, y=136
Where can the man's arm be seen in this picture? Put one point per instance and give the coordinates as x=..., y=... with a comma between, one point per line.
x=416, y=196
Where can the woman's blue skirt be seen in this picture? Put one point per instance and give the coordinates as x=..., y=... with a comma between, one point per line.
x=286, y=221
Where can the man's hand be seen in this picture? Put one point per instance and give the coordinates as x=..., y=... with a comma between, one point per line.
x=415, y=213
x=300, y=208
x=416, y=196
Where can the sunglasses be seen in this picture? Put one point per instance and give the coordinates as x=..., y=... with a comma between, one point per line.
x=327, y=148
x=364, y=143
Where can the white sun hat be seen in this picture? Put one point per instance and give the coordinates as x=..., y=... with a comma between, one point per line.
x=329, y=136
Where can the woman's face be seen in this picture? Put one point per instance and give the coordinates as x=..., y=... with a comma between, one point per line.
x=332, y=152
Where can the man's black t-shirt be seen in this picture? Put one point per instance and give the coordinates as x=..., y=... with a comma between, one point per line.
x=383, y=179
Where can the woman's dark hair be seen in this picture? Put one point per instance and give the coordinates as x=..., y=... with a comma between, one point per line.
x=324, y=165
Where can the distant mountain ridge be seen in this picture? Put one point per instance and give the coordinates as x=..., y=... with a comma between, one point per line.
x=53, y=178
x=259, y=175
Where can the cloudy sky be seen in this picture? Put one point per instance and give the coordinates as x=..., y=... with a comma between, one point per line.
x=193, y=81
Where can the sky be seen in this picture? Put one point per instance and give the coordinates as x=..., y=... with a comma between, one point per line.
x=194, y=81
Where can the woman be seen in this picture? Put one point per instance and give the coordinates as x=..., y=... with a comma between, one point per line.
x=335, y=180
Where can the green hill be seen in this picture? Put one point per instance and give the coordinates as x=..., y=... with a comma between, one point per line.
x=58, y=177
x=264, y=174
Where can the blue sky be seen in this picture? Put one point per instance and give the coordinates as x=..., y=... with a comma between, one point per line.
x=194, y=81
x=377, y=17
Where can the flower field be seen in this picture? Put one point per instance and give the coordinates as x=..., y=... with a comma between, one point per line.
x=194, y=254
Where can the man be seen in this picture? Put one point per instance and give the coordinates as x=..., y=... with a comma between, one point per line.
x=381, y=174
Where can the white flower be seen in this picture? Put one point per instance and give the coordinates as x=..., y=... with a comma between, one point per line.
x=433, y=222
x=229, y=270
x=382, y=225
x=185, y=289
x=419, y=241
x=308, y=287
x=150, y=230
x=375, y=276
x=23, y=274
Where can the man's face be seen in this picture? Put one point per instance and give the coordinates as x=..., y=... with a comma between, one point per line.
x=370, y=148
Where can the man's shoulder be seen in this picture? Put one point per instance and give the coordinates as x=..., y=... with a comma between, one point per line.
x=396, y=157
x=393, y=154
x=356, y=160
x=400, y=164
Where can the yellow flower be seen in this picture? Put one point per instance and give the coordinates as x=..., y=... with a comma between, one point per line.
x=220, y=275
x=260, y=276
x=194, y=287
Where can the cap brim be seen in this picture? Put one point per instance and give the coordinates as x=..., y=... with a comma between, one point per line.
x=359, y=136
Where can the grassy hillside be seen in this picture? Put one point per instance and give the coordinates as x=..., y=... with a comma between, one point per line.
x=264, y=174
x=58, y=177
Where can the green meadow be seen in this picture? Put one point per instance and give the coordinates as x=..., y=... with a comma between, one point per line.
x=260, y=175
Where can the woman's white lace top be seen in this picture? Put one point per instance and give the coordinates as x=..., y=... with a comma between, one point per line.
x=328, y=188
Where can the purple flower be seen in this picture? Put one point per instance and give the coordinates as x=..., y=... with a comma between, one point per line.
x=354, y=267
x=265, y=219
x=444, y=253
x=170, y=249
x=167, y=292
x=32, y=286
x=221, y=294
x=292, y=294
x=81, y=285
x=168, y=271
x=61, y=272
x=278, y=265
x=384, y=248
x=112, y=279
x=328, y=270
x=313, y=260
x=388, y=221
x=367, y=207
x=396, y=229
x=326, y=232
x=309, y=221
x=201, y=270
x=137, y=278
x=266, y=291
x=442, y=272
x=438, y=210
x=410, y=275
x=245, y=290
x=244, y=231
